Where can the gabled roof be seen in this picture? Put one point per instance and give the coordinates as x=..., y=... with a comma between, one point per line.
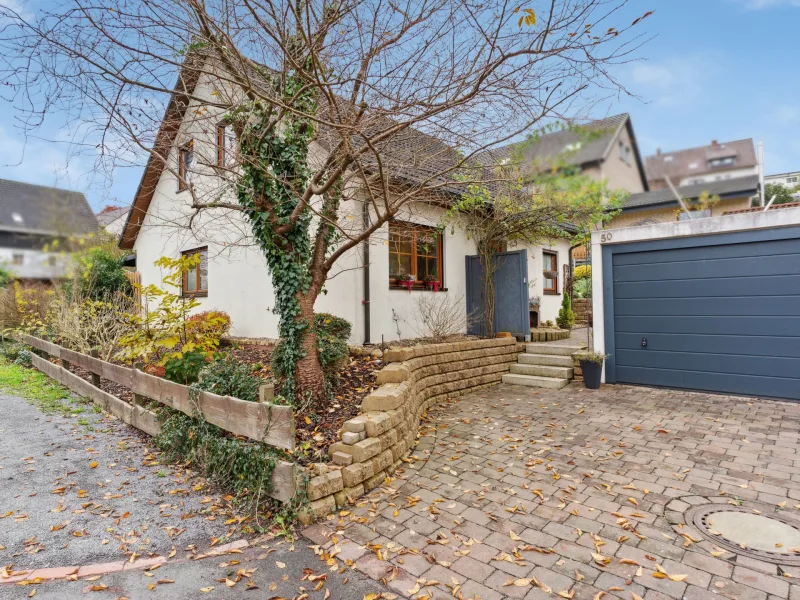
x=725, y=188
x=25, y=207
x=571, y=147
x=111, y=214
x=678, y=164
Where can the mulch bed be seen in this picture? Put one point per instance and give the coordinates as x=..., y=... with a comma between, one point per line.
x=317, y=430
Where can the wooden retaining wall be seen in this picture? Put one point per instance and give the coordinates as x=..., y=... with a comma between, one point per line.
x=268, y=423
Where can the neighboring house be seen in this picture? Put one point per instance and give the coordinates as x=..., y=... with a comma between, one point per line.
x=113, y=218
x=661, y=206
x=603, y=149
x=789, y=180
x=36, y=223
x=233, y=277
x=703, y=164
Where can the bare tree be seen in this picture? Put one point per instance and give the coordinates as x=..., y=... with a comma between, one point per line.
x=342, y=113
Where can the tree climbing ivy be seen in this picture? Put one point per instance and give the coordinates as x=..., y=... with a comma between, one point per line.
x=269, y=195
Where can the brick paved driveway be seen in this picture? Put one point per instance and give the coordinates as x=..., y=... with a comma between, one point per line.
x=521, y=493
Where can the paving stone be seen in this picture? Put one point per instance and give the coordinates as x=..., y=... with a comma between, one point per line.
x=761, y=581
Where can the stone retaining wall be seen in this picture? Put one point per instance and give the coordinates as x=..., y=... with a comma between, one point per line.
x=373, y=443
x=549, y=335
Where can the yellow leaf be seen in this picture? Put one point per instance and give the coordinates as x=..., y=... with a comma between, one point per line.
x=678, y=577
x=93, y=464
x=205, y=590
x=514, y=536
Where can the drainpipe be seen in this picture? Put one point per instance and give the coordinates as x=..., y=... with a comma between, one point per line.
x=365, y=301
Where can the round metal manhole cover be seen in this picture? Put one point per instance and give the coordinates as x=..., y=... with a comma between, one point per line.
x=740, y=530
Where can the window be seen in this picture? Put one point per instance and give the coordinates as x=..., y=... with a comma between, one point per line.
x=18, y=259
x=550, y=272
x=226, y=145
x=51, y=260
x=185, y=164
x=722, y=162
x=791, y=180
x=195, y=280
x=414, y=250
x=696, y=214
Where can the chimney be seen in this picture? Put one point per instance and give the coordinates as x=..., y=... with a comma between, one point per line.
x=714, y=143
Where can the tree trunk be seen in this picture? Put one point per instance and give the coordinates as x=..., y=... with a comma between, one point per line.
x=309, y=378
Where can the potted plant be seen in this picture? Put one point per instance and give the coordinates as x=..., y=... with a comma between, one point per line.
x=592, y=367
x=405, y=280
x=534, y=301
x=431, y=281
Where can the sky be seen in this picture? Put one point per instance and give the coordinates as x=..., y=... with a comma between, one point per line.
x=714, y=69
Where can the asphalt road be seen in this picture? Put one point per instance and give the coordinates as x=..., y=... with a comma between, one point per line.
x=85, y=489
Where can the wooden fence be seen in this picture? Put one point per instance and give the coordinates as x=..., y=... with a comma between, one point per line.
x=268, y=423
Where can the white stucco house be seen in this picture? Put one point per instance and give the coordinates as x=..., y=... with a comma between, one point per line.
x=362, y=286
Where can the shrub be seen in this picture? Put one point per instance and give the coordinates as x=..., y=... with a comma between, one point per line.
x=185, y=369
x=565, y=318
x=5, y=278
x=100, y=275
x=33, y=305
x=11, y=350
x=590, y=356
x=582, y=288
x=439, y=315
x=226, y=376
x=332, y=325
x=23, y=358
x=583, y=272
x=209, y=323
x=82, y=324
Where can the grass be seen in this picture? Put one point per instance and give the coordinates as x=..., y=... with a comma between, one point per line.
x=29, y=383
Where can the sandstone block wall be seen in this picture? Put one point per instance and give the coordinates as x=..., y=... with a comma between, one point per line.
x=372, y=444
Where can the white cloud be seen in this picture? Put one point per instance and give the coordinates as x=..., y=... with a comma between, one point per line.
x=675, y=82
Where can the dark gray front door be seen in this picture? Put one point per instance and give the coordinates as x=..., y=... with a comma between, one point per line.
x=723, y=317
x=511, y=294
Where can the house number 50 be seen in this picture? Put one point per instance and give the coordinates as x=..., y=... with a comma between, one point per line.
x=605, y=237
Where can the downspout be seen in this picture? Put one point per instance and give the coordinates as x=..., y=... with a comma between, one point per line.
x=365, y=301
x=762, y=194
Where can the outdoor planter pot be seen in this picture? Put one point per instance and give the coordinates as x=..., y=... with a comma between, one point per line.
x=592, y=367
x=591, y=374
x=433, y=285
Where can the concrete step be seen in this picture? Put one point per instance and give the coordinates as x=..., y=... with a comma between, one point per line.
x=548, y=360
x=551, y=348
x=552, y=383
x=543, y=371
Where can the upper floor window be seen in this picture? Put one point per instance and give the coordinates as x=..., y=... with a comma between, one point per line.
x=791, y=180
x=195, y=280
x=726, y=161
x=550, y=272
x=414, y=251
x=18, y=259
x=226, y=145
x=185, y=164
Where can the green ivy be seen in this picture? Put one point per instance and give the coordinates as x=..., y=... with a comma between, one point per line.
x=269, y=195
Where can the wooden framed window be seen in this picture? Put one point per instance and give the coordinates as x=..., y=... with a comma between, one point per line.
x=550, y=272
x=415, y=250
x=18, y=259
x=185, y=164
x=195, y=280
x=226, y=145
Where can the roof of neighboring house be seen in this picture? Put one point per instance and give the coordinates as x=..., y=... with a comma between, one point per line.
x=678, y=164
x=570, y=146
x=111, y=213
x=725, y=188
x=32, y=208
x=756, y=209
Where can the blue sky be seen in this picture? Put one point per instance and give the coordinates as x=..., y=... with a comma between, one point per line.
x=716, y=69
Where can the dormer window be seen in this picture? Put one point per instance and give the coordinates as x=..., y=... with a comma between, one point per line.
x=725, y=161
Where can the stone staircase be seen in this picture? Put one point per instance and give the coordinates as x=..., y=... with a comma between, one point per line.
x=544, y=365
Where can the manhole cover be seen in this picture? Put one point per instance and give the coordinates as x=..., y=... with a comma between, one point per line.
x=740, y=530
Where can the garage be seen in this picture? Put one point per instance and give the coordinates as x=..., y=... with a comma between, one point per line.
x=711, y=304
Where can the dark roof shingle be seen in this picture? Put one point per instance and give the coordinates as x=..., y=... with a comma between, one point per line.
x=695, y=161
x=28, y=207
x=740, y=186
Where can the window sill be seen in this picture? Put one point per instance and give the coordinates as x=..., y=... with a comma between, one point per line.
x=415, y=288
x=194, y=295
x=546, y=293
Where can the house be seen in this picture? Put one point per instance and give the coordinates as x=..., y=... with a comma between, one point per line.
x=661, y=205
x=113, y=218
x=789, y=180
x=36, y=223
x=363, y=286
x=703, y=164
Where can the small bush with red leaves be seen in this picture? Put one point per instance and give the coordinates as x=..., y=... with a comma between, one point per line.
x=212, y=323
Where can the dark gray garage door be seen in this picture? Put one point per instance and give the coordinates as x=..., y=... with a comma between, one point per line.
x=722, y=317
